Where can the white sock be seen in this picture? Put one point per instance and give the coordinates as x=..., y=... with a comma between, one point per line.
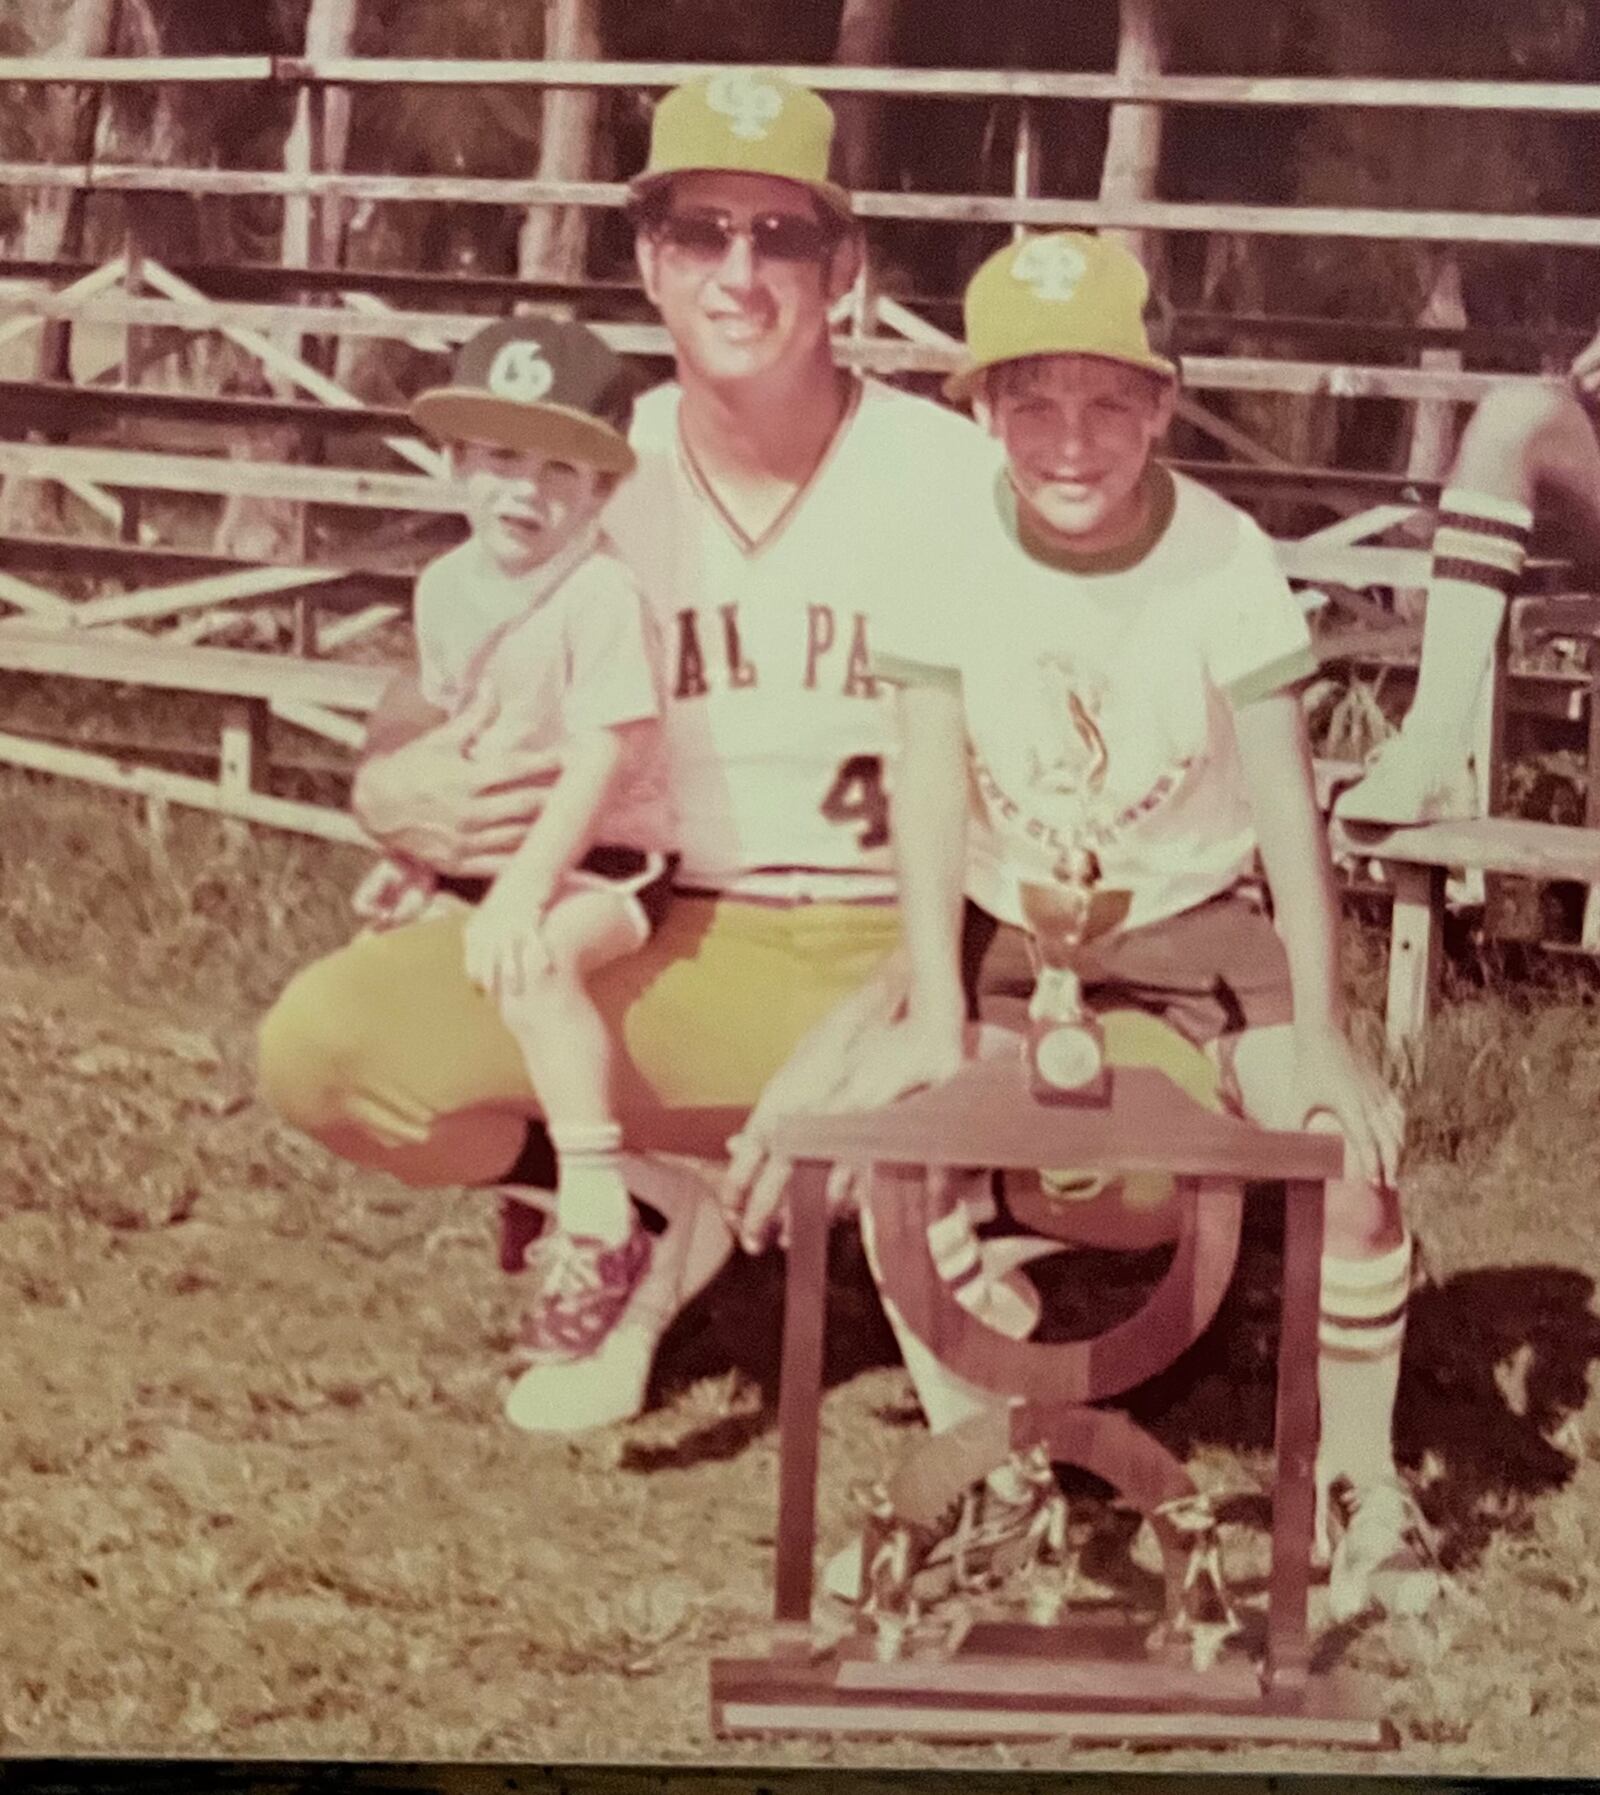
x=947, y=1400
x=591, y=1196
x=1362, y=1329
x=1479, y=546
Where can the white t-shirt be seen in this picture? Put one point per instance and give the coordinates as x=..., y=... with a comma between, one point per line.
x=561, y=657
x=1102, y=698
x=776, y=729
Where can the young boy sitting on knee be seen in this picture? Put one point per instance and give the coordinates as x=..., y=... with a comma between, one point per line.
x=535, y=637
x=1105, y=692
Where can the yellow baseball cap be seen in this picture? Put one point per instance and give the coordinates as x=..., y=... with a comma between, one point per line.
x=744, y=121
x=1062, y=293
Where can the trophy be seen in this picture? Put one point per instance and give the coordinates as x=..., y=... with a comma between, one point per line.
x=1066, y=1046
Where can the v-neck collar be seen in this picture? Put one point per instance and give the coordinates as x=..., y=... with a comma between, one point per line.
x=754, y=545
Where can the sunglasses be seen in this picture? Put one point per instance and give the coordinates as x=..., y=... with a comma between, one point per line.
x=774, y=236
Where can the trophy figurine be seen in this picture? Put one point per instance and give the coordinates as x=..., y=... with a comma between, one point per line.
x=1066, y=1047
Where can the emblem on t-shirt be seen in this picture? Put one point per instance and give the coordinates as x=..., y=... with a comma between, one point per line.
x=1067, y=751
x=751, y=106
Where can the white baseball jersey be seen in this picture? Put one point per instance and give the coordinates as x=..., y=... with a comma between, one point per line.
x=1099, y=694
x=564, y=650
x=777, y=731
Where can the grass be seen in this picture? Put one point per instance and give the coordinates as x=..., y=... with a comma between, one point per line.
x=255, y=1498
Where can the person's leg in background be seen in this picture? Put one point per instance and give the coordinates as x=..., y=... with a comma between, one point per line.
x=1525, y=447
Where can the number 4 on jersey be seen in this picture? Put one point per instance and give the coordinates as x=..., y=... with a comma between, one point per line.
x=857, y=795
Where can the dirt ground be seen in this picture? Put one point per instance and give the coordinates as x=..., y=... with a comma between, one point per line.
x=256, y=1498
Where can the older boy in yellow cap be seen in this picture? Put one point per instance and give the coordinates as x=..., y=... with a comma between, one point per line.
x=1122, y=697
x=776, y=503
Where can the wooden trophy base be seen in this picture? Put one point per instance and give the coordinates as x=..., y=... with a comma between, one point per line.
x=1093, y=1684
x=1096, y=1679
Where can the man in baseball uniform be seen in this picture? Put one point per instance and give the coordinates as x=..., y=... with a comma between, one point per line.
x=778, y=502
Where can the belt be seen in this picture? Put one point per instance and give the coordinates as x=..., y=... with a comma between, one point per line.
x=768, y=901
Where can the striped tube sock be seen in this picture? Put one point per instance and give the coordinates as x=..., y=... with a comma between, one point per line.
x=1479, y=546
x=957, y=1256
x=1363, y=1326
x=591, y=1197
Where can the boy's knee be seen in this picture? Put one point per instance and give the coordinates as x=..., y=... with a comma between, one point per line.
x=1362, y=1220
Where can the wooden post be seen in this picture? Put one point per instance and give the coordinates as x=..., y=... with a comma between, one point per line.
x=1025, y=160
x=865, y=40
x=244, y=748
x=1414, y=956
x=1288, y=1659
x=135, y=353
x=1133, y=136
x=1591, y=799
x=800, y=1393
x=555, y=239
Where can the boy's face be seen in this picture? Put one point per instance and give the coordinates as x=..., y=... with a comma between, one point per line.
x=524, y=507
x=1078, y=432
x=738, y=305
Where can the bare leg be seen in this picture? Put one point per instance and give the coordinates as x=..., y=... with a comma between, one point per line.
x=563, y=1038
x=568, y=1049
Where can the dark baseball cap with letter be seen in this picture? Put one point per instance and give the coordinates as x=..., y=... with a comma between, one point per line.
x=546, y=385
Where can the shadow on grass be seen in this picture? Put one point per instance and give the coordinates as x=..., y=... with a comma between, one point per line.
x=736, y=1325
x=1497, y=1361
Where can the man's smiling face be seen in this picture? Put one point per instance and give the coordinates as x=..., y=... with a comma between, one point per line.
x=743, y=270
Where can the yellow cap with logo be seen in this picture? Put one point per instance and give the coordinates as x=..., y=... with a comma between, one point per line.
x=744, y=121
x=1062, y=293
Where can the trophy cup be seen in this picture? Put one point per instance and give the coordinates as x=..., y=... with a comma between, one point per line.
x=1066, y=1046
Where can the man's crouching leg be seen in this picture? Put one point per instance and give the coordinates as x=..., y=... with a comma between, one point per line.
x=387, y=1055
x=1368, y=1523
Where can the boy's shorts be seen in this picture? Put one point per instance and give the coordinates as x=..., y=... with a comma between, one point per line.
x=645, y=878
x=1210, y=972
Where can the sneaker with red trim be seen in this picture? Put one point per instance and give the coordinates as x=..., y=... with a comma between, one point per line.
x=580, y=1287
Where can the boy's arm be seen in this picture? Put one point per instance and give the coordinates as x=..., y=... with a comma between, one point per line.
x=502, y=940
x=563, y=833
x=1276, y=759
x=929, y=837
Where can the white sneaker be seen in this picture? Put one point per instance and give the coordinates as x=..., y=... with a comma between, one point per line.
x=1400, y=788
x=609, y=1384
x=1384, y=1558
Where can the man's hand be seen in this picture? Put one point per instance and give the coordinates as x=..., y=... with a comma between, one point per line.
x=1335, y=1078
x=861, y=1058
x=1586, y=370
x=504, y=949
x=427, y=801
